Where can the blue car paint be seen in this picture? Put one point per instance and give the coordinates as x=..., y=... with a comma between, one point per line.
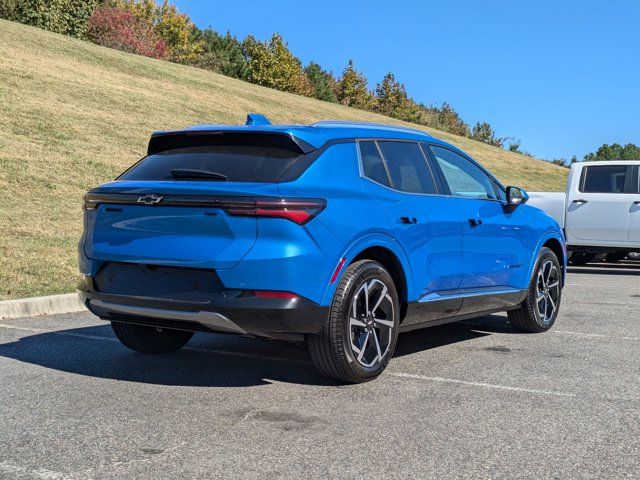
x=441, y=256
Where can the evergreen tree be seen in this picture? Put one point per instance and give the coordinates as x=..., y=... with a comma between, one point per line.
x=392, y=100
x=323, y=82
x=353, y=90
x=273, y=65
x=222, y=54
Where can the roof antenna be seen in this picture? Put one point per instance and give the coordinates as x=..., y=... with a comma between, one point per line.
x=257, y=119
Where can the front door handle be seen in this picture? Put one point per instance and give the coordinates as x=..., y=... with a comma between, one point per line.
x=580, y=201
x=408, y=220
x=475, y=222
x=637, y=202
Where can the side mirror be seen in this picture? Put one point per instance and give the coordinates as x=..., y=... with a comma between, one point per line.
x=516, y=196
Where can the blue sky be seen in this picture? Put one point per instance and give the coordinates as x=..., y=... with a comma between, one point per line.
x=562, y=76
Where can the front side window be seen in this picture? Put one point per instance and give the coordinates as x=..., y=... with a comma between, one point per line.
x=463, y=177
x=604, y=179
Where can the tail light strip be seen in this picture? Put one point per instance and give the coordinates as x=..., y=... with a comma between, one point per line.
x=297, y=210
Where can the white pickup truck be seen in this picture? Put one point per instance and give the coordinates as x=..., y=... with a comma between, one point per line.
x=599, y=212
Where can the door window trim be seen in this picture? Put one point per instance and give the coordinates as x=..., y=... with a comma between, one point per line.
x=436, y=183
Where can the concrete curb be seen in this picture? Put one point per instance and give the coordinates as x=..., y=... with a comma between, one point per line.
x=50, y=305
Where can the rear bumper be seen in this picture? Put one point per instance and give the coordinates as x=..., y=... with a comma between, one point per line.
x=225, y=312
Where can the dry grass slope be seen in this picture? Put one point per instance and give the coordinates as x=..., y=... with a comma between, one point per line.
x=73, y=115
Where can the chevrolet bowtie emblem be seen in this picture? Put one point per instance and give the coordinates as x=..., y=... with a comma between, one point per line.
x=150, y=199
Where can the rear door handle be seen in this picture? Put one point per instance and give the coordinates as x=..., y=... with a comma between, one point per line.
x=475, y=222
x=637, y=202
x=580, y=201
x=408, y=220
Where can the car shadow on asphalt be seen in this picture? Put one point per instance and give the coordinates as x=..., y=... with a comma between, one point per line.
x=211, y=360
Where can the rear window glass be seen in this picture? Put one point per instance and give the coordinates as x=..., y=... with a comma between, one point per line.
x=604, y=179
x=238, y=163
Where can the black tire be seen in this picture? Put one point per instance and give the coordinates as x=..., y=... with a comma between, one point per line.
x=332, y=350
x=150, y=339
x=615, y=257
x=528, y=318
x=581, y=258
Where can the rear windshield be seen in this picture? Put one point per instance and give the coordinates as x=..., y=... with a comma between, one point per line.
x=236, y=163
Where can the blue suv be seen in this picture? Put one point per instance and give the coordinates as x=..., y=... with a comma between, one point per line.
x=339, y=234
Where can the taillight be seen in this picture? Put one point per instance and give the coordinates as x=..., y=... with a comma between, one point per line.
x=298, y=210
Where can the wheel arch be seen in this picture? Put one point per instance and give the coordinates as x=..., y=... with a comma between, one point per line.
x=557, y=246
x=392, y=264
x=386, y=251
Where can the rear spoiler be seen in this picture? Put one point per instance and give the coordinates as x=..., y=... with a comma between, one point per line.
x=161, y=141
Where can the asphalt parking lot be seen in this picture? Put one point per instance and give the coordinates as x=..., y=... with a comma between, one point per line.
x=468, y=400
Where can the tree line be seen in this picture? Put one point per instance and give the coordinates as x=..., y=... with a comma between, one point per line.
x=159, y=30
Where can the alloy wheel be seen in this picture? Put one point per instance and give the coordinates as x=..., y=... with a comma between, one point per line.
x=371, y=323
x=547, y=291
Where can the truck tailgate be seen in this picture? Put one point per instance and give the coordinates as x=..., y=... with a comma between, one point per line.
x=552, y=203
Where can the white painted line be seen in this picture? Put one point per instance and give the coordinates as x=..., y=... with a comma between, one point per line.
x=40, y=473
x=193, y=349
x=595, y=335
x=413, y=376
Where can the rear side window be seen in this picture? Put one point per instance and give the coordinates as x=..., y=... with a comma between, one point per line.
x=604, y=179
x=402, y=166
x=407, y=167
x=233, y=163
x=373, y=166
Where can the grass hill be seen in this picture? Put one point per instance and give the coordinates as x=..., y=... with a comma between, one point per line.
x=73, y=115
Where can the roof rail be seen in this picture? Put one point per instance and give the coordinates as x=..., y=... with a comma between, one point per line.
x=257, y=119
x=351, y=123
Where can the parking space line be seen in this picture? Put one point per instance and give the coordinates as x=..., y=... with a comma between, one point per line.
x=40, y=473
x=595, y=335
x=193, y=349
x=413, y=376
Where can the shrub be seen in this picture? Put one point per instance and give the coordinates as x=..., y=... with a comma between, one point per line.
x=483, y=132
x=122, y=30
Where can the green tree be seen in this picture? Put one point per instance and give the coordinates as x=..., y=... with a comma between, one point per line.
x=68, y=17
x=222, y=54
x=392, y=100
x=272, y=64
x=352, y=89
x=615, y=151
x=323, y=82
